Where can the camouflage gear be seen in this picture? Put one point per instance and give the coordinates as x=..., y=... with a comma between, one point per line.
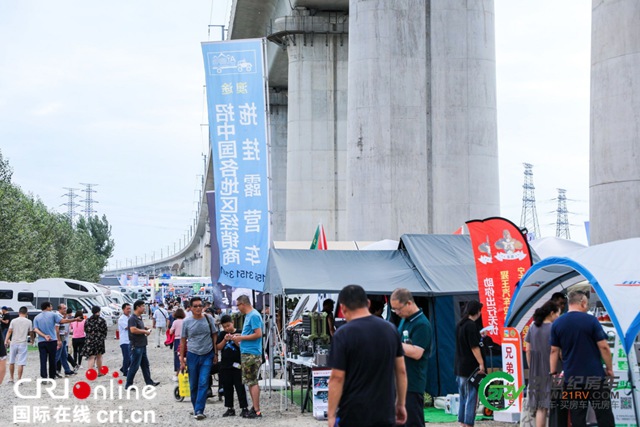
x=250, y=368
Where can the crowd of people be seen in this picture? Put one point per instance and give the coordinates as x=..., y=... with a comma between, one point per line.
x=378, y=368
x=195, y=333
x=565, y=354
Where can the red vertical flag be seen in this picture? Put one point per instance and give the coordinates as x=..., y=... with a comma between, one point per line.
x=502, y=257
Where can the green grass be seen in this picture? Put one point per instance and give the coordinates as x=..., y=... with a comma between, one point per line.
x=297, y=396
x=431, y=415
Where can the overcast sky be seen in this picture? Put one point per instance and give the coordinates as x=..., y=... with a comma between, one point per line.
x=112, y=94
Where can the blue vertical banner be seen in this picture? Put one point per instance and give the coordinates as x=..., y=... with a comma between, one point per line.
x=237, y=104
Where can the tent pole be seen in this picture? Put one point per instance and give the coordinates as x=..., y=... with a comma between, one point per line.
x=285, y=366
x=270, y=343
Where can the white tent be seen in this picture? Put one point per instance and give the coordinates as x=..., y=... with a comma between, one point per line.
x=613, y=269
x=547, y=247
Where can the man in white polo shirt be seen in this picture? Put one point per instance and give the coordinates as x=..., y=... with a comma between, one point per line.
x=19, y=329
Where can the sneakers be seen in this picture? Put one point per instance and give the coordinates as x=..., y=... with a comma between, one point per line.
x=200, y=417
x=244, y=413
x=174, y=379
x=253, y=414
x=230, y=413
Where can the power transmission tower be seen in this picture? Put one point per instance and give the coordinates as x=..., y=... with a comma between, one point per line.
x=529, y=217
x=88, y=201
x=562, y=219
x=71, y=204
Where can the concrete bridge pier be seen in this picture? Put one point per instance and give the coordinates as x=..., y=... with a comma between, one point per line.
x=615, y=121
x=278, y=122
x=317, y=49
x=422, y=133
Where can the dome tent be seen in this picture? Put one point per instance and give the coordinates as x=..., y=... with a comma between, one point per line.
x=612, y=269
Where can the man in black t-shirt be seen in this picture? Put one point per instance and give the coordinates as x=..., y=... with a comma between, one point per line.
x=368, y=382
x=230, y=368
x=467, y=359
x=138, y=334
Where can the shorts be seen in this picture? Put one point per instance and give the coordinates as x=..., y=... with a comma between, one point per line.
x=18, y=354
x=250, y=368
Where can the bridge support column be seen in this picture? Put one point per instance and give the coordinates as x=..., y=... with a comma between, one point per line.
x=278, y=122
x=615, y=121
x=422, y=133
x=317, y=116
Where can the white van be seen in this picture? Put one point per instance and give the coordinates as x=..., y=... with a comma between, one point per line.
x=116, y=298
x=14, y=299
x=76, y=294
x=103, y=301
x=136, y=292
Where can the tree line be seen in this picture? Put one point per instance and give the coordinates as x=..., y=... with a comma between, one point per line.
x=38, y=243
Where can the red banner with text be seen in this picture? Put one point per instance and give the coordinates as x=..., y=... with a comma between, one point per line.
x=502, y=257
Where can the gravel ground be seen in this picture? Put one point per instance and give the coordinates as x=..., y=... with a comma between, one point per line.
x=163, y=406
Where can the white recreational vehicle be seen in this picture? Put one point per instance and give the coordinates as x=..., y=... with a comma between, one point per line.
x=136, y=292
x=116, y=298
x=13, y=299
x=76, y=294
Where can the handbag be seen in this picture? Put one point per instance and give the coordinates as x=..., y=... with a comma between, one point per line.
x=170, y=338
x=475, y=377
x=184, y=389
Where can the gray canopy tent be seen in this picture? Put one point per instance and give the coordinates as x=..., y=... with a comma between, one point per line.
x=293, y=271
x=438, y=267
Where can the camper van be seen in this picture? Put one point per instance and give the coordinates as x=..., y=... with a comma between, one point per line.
x=136, y=292
x=116, y=298
x=14, y=299
x=75, y=294
x=103, y=301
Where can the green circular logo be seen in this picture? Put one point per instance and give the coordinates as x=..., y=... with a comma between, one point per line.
x=505, y=389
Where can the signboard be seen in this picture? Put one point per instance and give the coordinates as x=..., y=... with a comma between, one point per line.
x=237, y=104
x=512, y=364
x=320, y=390
x=502, y=391
x=622, y=394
